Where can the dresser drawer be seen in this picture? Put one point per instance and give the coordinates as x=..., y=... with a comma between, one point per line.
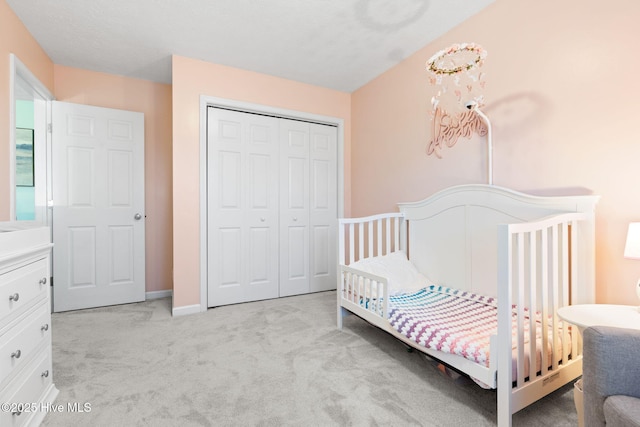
x=19, y=345
x=20, y=288
x=24, y=396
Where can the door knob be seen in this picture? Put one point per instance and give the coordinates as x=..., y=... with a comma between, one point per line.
x=137, y=217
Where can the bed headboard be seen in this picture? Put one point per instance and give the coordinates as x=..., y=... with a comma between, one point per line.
x=464, y=221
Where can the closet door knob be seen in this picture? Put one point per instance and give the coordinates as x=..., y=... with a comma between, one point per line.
x=14, y=297
x=137, y=217
x=43, y=281
x=16, y=354
x=45, y=327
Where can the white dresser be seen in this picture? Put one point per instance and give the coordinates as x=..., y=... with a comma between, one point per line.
x=26, y=382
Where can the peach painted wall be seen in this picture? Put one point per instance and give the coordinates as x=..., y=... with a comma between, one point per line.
x=562, y=93
x=192, y=78
x=154, y=100
x=16, y=39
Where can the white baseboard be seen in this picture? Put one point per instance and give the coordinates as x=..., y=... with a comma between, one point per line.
x=186, y=310
x=158, y=294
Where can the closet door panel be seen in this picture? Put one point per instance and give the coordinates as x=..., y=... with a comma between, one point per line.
x=259, y=187
x=242, y=187
x=259, y=268
x=294, y=207
x=296, y=191
x=297, y=244
x=261, y=213
x=228, y=265
x=321, y=263
x=323, y=212
x=230, y=181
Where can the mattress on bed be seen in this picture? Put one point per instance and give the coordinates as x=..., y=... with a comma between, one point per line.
x=460, y=323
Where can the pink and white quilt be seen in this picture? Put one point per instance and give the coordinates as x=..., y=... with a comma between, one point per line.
x=450, y=321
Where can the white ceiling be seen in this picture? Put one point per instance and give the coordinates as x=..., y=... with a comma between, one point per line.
x=338, y=44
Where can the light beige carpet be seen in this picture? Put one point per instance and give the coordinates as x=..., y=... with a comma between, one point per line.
x=270, y=363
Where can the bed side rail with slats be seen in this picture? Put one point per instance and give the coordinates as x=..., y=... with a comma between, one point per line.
x=360, y=238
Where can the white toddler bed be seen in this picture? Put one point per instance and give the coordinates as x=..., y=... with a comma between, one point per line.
x=464, y=252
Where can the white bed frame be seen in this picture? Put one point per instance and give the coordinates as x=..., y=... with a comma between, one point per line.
x=532, y=251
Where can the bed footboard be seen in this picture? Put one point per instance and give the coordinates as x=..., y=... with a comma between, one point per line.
x=540, y=269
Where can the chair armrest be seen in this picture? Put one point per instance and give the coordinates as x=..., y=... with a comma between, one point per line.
x=611, y=366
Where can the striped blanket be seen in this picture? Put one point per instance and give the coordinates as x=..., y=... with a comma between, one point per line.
x=448, y=320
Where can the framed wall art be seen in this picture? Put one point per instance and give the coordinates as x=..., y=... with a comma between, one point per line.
x=24, y=158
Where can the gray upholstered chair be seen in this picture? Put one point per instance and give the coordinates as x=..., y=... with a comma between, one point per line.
x=611, y=376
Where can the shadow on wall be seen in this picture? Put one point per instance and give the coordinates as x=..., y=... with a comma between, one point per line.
x=516, y=115
x=516, y=120
x=519, y=146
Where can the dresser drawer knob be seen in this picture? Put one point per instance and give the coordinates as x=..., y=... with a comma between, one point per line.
x=43, y=281
x=16, y=354
x=45, y=374
x=15, y=297
x=45, y=327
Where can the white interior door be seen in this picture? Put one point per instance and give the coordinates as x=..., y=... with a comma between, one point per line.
x=308, y=207
x=242, y=185
x=294, y=207
x=98, y=206
x=323, y=207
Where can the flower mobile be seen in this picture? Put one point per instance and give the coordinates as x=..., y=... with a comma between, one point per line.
x=456, y=105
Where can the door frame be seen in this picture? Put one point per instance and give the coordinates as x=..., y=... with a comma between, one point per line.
x=18, y=70
x=248, y=107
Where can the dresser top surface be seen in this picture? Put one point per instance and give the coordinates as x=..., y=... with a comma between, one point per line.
x=16, y=240
x=11, y=226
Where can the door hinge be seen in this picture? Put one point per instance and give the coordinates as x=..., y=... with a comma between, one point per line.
x=49, y=127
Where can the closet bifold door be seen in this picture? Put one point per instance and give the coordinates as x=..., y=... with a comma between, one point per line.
x=323, y=206
x=242, y=199
x=308, y=207
x=294, y=207
x=271, y=207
